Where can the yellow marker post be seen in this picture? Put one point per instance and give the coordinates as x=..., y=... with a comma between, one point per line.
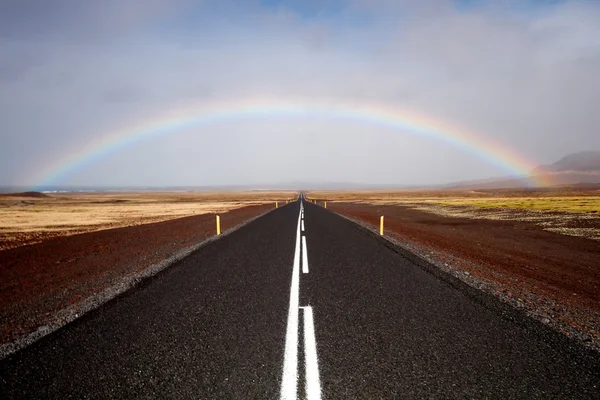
x=325, y=204
x=381, y=226
x=218, y=225
x=276, y=204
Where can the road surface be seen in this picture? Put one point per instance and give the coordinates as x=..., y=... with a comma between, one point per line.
x=302, y=303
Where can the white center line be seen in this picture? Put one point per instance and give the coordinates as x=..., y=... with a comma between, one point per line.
x=289, y=381
x=313, y=384
x=304, y=256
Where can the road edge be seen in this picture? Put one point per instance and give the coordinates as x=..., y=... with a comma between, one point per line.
x=480, y=291
x=72, y=313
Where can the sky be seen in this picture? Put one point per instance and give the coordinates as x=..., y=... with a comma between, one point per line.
x=522, y=74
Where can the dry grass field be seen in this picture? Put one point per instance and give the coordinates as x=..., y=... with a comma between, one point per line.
x=537, y=250
x=29, y=218
x=589, y=204
x=569, y=211
x=50, y=282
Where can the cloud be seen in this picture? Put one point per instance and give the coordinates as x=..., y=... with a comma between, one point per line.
x=80, y=21
x=70, y=71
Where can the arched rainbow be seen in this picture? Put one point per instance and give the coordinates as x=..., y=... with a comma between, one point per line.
x=184, y=117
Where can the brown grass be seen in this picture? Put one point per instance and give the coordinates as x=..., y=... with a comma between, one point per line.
x=569, y=211
x=558, y=192
x=26, y=219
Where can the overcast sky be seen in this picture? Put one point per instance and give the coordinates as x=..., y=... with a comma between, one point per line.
x=524, y=73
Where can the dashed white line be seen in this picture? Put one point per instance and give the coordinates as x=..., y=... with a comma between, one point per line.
x=313, y=384
x=289, y=381
x=304, y=256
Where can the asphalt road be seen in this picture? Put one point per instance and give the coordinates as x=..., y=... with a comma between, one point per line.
x=259, y=314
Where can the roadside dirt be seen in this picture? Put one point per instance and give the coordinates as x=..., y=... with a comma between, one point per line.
x=29, y=218
x=555, y=277
x=38, y=280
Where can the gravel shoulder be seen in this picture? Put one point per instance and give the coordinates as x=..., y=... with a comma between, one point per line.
x=555, y=278
x=48, y=284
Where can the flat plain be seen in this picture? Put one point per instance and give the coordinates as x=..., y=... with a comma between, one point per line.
x=299, y=303
x=28, y=218
x=538, y=250
x=61, y=252
x=568, y=210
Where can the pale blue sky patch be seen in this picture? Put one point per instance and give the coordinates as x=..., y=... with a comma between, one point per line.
x=308, y=8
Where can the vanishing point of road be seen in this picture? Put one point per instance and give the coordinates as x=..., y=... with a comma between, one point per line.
x=302, y=304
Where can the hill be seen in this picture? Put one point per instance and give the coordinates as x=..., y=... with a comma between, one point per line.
x=585, y=161
x=34, y=195
x=582, y=168
x=574, y=169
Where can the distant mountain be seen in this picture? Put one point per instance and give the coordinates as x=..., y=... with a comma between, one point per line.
x=491, y=183
x=581, y=168
x=576, y=168
x=24, y=194
x=585, y=161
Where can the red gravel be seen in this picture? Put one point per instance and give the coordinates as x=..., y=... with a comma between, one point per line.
x=36, y=281
x=555, y=276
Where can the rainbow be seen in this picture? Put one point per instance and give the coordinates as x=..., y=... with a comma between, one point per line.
x=197, y=115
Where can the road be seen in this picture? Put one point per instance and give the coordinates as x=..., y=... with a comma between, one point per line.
x=302, y=304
